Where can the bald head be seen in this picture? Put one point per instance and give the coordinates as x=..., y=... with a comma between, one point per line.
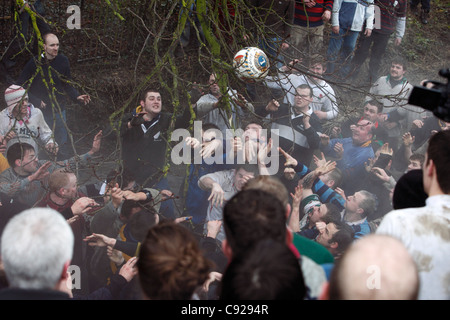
x=376, y=267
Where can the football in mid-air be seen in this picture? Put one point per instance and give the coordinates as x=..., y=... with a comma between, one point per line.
x=251, y=64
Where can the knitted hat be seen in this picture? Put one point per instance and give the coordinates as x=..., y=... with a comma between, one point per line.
x=13, y=95
x=309, y=202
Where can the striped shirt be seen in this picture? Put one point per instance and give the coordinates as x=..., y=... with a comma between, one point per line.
x=311, y=17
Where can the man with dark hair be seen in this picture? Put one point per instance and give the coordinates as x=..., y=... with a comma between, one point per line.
x=393, y=92
x=253, y=215
x=297, y=126
x=24, y=179
x=424, y=231
x=335, y=236
x=48, y=90
x=267, y=271
x=145, y=136
x=324, y=103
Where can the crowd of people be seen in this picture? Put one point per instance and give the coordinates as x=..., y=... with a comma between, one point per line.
x=291, y=198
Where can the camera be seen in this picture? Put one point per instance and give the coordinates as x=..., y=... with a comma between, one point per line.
x=434, y=98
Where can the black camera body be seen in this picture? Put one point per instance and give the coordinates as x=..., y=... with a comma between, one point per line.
x=435, y=99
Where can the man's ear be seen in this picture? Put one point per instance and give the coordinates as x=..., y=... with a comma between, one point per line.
x=226, y=249
x=18, y=163
x=289, y=236
x=430, y=168
x=288, y=210
x=360, y=211
x=325, y=292
x=334, y=245
x=65, y=272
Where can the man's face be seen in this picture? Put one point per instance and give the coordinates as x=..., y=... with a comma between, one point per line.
x=327, y=234
x=302, y=98
x=214, y=88
x=361, y=132
x=253, y=132
x=317, y=213
x=70, y=190
x=370, y=113
x=241, y=177
x=353, y=202
x=152, y=103
x=414, y=165
x=397, y=72
x=21, y=109
x=51, y=46
x=29, y=162
x=317, y=69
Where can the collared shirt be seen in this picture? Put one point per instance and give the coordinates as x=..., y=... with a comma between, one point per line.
x=425, y=232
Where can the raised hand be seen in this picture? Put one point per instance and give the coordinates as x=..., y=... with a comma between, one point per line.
x=272, y=106
x=290, y=160
x=217, y=195
x=96, y=143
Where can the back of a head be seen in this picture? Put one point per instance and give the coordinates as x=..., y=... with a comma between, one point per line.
x=171, y=265
x=408, y=191
x=270, y=185
x=267, y=271
x=344, y=236
x=35, y=246
x=439, y=152
x=252, y=215
x=375, y=267
x=141, y=222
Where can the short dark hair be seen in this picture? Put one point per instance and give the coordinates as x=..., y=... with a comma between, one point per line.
x=401, y=61
x=252, y=215
x=208, y=125
x=438, y=151
x=333, y=213
x=417, y=157
x=140, y=223
x=344, y=236
x=317, y=59
x=249, y=167
x=16, y=152
x=376, y=103
x=267, y=271
x=305, y=86
x=122, y=176
x=144, y=93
